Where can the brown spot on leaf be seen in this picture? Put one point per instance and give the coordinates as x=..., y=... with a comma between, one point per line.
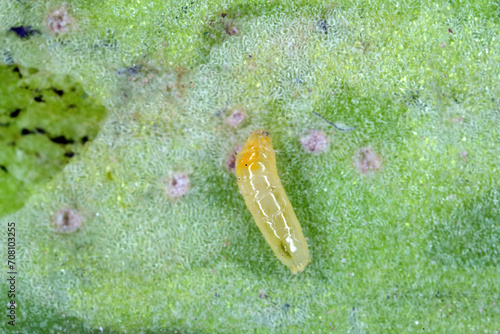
x=67, y=220
x=60, y=21
x=230, y=161
x=315, y=142
x=366, y=160
x=236, y=117
x=178, y=185
x=231, y=29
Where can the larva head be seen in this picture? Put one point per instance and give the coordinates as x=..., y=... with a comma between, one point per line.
x=257, y=147
x=261, y=137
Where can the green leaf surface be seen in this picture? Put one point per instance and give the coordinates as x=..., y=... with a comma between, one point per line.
x=401, y=214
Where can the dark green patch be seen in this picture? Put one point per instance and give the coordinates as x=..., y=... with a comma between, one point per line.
x=36, y=319
x=355, y=109
x=44, y=122
x=470, y=235
x=219, y=26
x=470, y=9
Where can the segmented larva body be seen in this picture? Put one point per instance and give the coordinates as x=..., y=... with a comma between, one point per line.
x=266, y=199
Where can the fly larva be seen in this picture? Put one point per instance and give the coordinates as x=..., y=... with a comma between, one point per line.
x=266, y=199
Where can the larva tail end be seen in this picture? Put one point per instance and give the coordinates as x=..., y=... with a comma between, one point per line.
x=300, y=267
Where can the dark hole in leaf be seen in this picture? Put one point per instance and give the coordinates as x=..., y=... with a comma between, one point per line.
x=15, y=113
x=62, y=140
x=39, y=98
x=58, y=91
x=16, y=69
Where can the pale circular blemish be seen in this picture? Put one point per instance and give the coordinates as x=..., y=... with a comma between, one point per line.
x=464, y=155
x=59, y=21
x=178, y=185
x=315, y=142
x=67, y=220
x=231, y=29
x=366, y=160
x=236, y=118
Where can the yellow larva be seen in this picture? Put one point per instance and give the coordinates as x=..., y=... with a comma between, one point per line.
x=266, y=199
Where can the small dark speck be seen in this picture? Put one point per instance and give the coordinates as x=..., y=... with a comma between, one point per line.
x=8, y=58
x=40, y=131
x=287, y=305
x=2, y=167
x=85, y=139
x=69, y=154
x=39, y=98
x=58, y=91
x=223, y=14
x=133, y=70
x=450, y=31
x=18, y=71
x=24, y=32
x=322, y=25
x=25, y=132
x=62, y=140
x=71, y=106
x=15, y=113
x=250, y=56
